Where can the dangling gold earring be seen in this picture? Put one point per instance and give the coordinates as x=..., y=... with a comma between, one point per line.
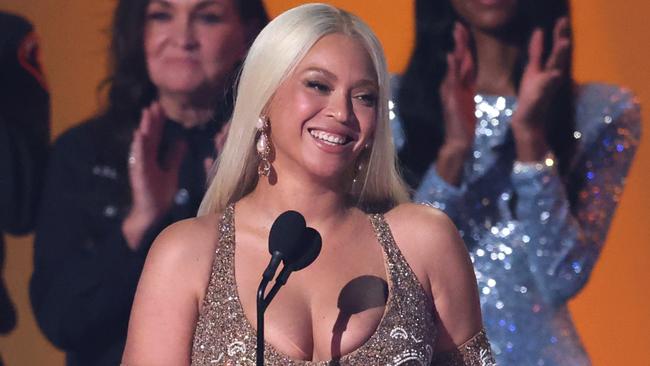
x=263, y=146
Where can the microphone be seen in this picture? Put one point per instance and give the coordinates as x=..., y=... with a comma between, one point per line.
x=283, y=240
x=296, y=246
x=307, y=253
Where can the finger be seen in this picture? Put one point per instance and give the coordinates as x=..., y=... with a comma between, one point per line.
x=460, y=43
x=562, y=29
x=553, y=78
x=464, y=55
x=176, y=156
x=561, y=45
x=535, y=49
x=207, y=165
x=144, y=134
x=463, y=36
x=152, y=128
x=221, y=137
x=452, y=68
x=135, y=154
x=145, y=121
x=157, y=123
x=467, y=69
x=559, y=58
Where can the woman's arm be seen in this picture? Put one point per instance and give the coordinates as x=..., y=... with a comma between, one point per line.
x=563, y=243
x=442, y=185
x=169, y=294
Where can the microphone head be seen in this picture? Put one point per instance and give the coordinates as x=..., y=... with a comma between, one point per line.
x=310, y=246
x=286, y=233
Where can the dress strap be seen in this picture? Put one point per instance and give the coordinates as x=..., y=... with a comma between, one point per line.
x=395, y=260
x=227, y=228
x=221, y=284
x=402, y=276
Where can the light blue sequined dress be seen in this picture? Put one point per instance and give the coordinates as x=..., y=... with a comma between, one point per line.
x=531, y=252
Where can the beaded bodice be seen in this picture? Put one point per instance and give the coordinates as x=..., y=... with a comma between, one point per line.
x=404, y=336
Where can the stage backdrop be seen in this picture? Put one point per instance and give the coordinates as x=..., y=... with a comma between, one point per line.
x=611, y=312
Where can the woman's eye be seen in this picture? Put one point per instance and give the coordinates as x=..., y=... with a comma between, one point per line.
x=367, y=99
x=209, y=18
x=159, y=16
x=320, y=87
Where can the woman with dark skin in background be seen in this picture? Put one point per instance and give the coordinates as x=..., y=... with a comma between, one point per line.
x=529, y=165
x=116, y=180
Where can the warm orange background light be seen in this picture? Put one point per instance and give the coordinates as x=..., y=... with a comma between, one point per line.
x=611, y=45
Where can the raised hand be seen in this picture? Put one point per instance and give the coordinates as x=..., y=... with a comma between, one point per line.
x=457, y=91
x=221, y=137
x=153, y=181
x=540, y=81
x=457, y=95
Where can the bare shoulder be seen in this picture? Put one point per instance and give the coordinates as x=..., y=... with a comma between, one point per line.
x=171, y=287
x=187, y=238
x=430, y=243
x=422, y=226
x=187, y=249
x=435, y=251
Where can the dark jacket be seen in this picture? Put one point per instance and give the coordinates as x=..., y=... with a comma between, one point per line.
x=85, y=275
x=24, y=137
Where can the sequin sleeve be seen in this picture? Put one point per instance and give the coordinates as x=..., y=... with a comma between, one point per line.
x=437, y=193
x=563, y=243
x=475, y=352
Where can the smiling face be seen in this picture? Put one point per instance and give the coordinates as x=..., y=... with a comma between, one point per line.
x=192, y=45
x=324, y=114
x=487, y=15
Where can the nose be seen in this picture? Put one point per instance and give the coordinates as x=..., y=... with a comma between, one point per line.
x=184, y=34
x=340, y=107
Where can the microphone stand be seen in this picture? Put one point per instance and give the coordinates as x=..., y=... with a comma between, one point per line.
x=261, y=308
x=262, y=304
x=313, y=238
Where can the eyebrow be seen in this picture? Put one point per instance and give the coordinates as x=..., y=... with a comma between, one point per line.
x=200, y=5
x=330, y=75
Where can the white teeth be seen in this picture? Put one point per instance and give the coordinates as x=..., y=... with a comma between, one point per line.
x=328, y=137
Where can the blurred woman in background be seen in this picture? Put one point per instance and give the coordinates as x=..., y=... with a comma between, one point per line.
x=117, y=179
x=529, y=165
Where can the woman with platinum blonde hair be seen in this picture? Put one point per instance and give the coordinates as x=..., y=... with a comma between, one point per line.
x=393, y=284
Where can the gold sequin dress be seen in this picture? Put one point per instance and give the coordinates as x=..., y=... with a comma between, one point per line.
x=405, y=335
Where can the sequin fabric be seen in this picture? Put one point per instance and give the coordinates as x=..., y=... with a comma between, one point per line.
x=531, y=251
x=405, y=335
x=474, y=352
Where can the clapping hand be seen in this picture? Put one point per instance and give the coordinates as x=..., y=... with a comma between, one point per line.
x=457, y=92
x=219, y=142
x=457, y=95
x=153, y=179
x=539, y=83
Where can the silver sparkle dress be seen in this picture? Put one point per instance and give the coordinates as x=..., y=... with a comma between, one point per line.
x=530, y=250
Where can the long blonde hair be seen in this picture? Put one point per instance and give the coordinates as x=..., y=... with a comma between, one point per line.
x=272, y=57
